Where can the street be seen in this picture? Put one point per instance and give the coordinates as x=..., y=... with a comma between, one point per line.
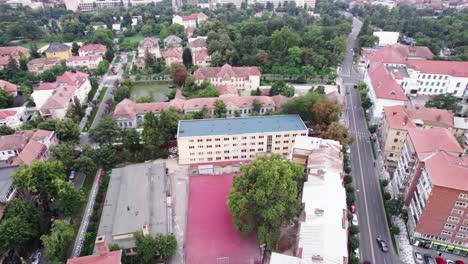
x=370, y=210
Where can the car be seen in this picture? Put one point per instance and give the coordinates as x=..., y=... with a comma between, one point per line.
x=355, y=86
x=348, y=150
x=418, y=257
x=459, y=262
x=353, y=208
x=72, y=176
x=429, y=260
x=36, y=259
x=450, y=261
x=355, y=220
x=382, y=244
x=366, y=262
x=440, y=260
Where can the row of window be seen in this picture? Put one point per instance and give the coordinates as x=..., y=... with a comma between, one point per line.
x=234, y=151
x=251, y=156
x=235, y=144
x=433, y=77
x=126, y=124
x=244, y=138
x=453, y=227
x=455, y=219
x=458, y=236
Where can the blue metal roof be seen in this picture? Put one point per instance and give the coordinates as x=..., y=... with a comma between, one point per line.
x=239, y=125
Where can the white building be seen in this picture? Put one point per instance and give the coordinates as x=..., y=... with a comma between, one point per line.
x=192, y=20
x=13, y=117
x=387, y=37
x=306, y=4
x=90, y=62
x=242, y=78
x=93, y=5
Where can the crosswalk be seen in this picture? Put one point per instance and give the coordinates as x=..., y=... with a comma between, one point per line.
x=361, y=134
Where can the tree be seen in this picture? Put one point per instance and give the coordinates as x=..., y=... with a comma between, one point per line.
x=256, y=92
x=6, y=100
x=102, y=67
x=130, y=139
x=12, y=66
x=64, y=153
x=58, y=241
x=106, y=155
x=187, y=58
x=220, y=109
x=68, y=131
x=353, y=243
x=338, y=132
x=169, y=122
x=146, y=248
x=151, y=134
x=353, y=230
x=166, y=245
x=23, y=63
x=85, y=165
x=265, y=195
x=47, y=76
x=6, y=130
x=121, y=93
x=280, y=87
x=109, y=54
x=70, y=200
x=50, y=125
x=394, y=206
x=256, y=106
x=179, y=74
x=444, y=101
x=76, y=111
x=301, y=105
x=75, y=48
x=106, y=132
x=33, y=51
x=323, y=113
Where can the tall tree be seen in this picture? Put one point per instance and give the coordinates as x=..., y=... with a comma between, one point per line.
x=6, y=130
x=64, y=153
x=6, y=100
x=57, y=242
x=179, y=74
x=220, y=110
x=301, y=105
x=169, y=121
x=280, y=87
x=85, y=165
x=338, y=132
x=75, y=48
x=70, y=200
x=187, y=58
x=33, y=51
x=130, y=139
x=444, y=101
x=265, y=195
x=76, y=111
x=106, y=132
x=151, y=134
x=323, y=113
x=68, y=131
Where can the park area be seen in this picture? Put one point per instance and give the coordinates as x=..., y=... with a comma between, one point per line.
x=131, y=43
x=157, y=91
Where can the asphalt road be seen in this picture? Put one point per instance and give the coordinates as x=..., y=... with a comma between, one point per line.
x=371, y=214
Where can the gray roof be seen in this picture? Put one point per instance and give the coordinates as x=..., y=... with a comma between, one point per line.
x=136, y=197
x=57, y=47
x=240, y=125
x=172, y=40
x=5, y=181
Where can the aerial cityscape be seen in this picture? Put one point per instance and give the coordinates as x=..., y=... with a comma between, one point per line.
x=233, y=132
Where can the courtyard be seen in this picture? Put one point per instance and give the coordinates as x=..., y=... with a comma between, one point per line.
x=158, y=91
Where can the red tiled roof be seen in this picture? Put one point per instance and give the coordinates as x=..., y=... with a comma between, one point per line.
x=172, y=53
x=453, y=68
x=112, y=257
x=202, y=55
x=8, y=86
x=14, y=51
x=32, y=151
x=4, y=60
x=93, y=47
x=66, y=86
x=44, y=61
x=448, y=171
x=84, y=58
x=225, y=72
x=385, y=87
x=198, y=43
x=195, y=16
x=403, y=117
x=4, y=113
x=398, y=53
x=427, y=141
x=47, y=86
x=27, y=143
x=73, y=78
x=227, y=90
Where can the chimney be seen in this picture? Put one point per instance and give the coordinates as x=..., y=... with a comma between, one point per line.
x=101, y=245
x=405, y=120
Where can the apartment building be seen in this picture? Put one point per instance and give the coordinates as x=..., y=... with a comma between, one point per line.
x=192, y=20
x=94, y=5
x=130, y=114
x=9, y=87
x=323, y=224
x=12, y=52
x=58, y=50
x=53, y=99
x=39, y=65
x=172, y=55
x=89, y=61
x=92, y=49
x=420, y=144
x=237, y=139
x=150, y=46
x=243, y=78
x=437, y=207
x=25, y=146
x=398, y=119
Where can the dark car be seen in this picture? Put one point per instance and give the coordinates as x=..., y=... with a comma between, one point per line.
x=429, y=260
x=382, y=244
x=355, y=86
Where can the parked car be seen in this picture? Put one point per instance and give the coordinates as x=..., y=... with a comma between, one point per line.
x=382, y=244
x=353, y=208
x=429, y=260
x=440, y=260
x=355, y=220
x=366, y=262
x=418, y=257
x=36, y=258
x=72, y=176
x=450, y=261
x=355, y=86
x=459, y=262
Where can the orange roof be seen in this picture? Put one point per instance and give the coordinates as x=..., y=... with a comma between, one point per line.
x=225, y=72
x=385, y=87
x=84, y=58
x=427, y=141
x=172, y=53
x=403, y=117
x=448, y=170
x=8, y=86
x=93, y=47
x=4, y=113
x=14, y=51
x=453, y=68
x=398, y=53
x=112, y=257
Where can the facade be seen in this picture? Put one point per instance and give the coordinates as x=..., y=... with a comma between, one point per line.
x=192, y=20
x=103, y=256
x=460, y=125
x=172, y=55
x=172, y=41
x=199, y=49
x=150, y=45
x=243, y=78
x=237, y=139
x=40, y=65
x=25, y=146
x=90, y=62
x=53, y=99
x=94, y=5
x=398, y=119
x=420, y=145
x=135, y=202
x=306, y=4
x=11, y=52
x=58, y=50
x=92, y=49
x=130, y=114
x=9, y=87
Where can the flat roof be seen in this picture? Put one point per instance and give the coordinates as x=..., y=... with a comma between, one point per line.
x=211, y=235
x=135, y=197
x=240, y=125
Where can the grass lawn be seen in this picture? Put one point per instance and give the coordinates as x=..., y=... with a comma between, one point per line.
x=158, y=90
x=131, y=42
x=39, y=44
x=130, y=58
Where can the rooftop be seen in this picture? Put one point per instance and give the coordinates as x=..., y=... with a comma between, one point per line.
x=385, y=87
x=404, y=117
x=135, y=198
x=225, y=72
x=427, y=141
x=210, y=234
x=84, y=58
x=93, y=47
x=112, y=257
x=42, y=61
x=13, y=51
x=240, y=125
x=452, y=68
x=8, y=86
x=57, y=47
x=448, y=170
x=5, y=180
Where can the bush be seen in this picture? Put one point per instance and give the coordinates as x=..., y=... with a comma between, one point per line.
x=350, y=198
x=373, y=128
x=353, y=243
x=387, y=196
x=347, y=169
x=394, y=230
x=348, y=179
x=384, y=182
x=354, y=230
x=349, y=187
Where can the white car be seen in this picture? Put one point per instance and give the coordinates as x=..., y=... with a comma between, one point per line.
x=36, y=258
x=418, y=257
x=355, y=220
x=356, y=253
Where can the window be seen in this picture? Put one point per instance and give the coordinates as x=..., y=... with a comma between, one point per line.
x=199, y=140
x=234, y=138
x=457, y=212
x=218, y=158
x=200, y=146
x=260, y=143
x=458, y=85
x=209, y=146
x=461, y=236
x=446, y=77
x=449, y=226
x=438, y=83
x=261, y=137
x=235, y=157
x=432, y=83
x=243, y=156
x=210, y=159
x=287, y=135
x=209, y=152
x=252, y=150
x=208, y=140
x=200, y=153
x=244, y=137
x=424, y=76
x=398, y=133
x=463, y=196
x=434, y=77
x=464, y=229
x=244, y=144
x=243, y=150
x=285, y=148
x=393, y=147
x=252, y=143
x=217, y=139
x=217, y=146
x=286, y=141
x=218, y=152
x=446, y=233
x=277, y=148
x=191, y=141
x=453, y=219
x=277, y=142
x=303, y=134
x=395, y=140
x=260, y=149
x=191, y=153
x=278, y=136
x=226, y=139
x=191, y=147
x=252, y=137
x=234, y=145
x=460, y=204
x=226, y=152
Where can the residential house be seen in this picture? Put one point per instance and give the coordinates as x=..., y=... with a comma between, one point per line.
x=150, y=46
x=25, y=146
x=53, y=99
x=39, y=65
x=9, y=87
x=103, y=256
x=323, y=223
x=172, y=55
x=58, y=50
x=92, y=49
x=172, y=41
x=90, y=61
x=243, y=78
x=12, y=52
x=199, y=49
x=398, y=119
x=130, y=114
x=13, y=117
x=236, y=139
x=192, y=20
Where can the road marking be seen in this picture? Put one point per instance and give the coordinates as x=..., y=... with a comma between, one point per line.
x=363, y=185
